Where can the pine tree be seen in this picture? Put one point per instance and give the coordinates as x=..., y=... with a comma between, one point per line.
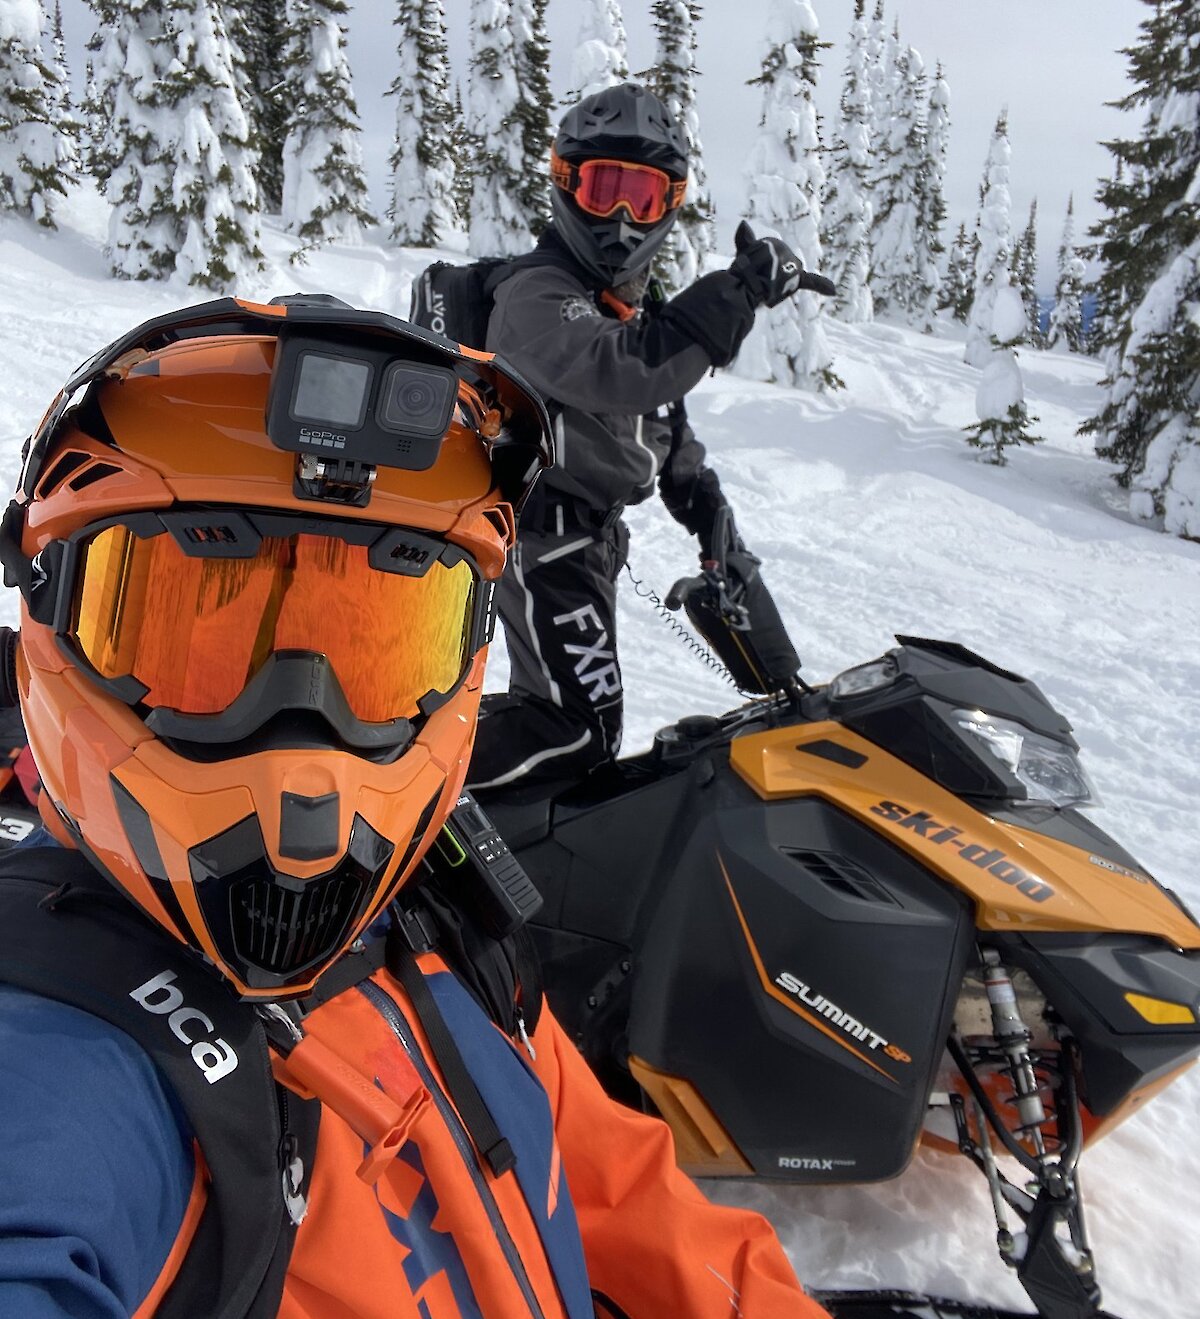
x=256, y=30
x=599, y=59
x=786, y=180
x=958, y=285
x=535, y=104
x=324, y=188
x=423, y=208
x=994, y=235
x=1159, y=391
x=1152, y=214
x=1004, y=418
x=465, y=150
x=1066, y=318
x=673, y=80
x=1149, y=288
x=63, y=115
x=931, y=198
x=215, y=198
x=498, y=223
x=33, y=151
x=903, y=276
x=133, y=148
x=1023, y=273
x=846, y=210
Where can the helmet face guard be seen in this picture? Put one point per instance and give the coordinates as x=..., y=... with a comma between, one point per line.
x=256, y=548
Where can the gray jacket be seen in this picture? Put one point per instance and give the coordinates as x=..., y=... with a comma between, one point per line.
x=607, y=383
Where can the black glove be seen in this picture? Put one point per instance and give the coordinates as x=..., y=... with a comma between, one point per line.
x=770, y=270
x=716, y=312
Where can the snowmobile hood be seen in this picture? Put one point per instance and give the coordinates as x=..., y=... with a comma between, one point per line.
x=1025, y=869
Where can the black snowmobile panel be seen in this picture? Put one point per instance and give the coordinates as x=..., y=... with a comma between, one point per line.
x=1088, y=977
x=826, y=984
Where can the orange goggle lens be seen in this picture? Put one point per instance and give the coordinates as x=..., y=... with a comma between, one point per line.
x=195, y=631
x=601, y=187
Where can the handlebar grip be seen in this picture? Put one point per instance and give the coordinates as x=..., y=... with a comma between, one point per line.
x=815, y=283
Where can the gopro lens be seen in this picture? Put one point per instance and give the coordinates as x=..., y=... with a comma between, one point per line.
x=416, y=400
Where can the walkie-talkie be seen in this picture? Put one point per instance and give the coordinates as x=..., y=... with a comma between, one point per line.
x=477, y=868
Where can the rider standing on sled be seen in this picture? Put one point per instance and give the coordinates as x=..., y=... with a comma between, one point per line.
x=250, y=671
x=574, y=318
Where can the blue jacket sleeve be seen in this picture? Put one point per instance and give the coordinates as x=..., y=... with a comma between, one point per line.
x=96, y=1165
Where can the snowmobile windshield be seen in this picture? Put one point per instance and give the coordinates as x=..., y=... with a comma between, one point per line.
x=602, y=187
x=193, y=607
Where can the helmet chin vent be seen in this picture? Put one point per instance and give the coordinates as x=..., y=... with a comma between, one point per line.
x=274, y=928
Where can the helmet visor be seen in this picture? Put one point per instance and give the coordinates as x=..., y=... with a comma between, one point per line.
x=194, y=629
x=601, y=187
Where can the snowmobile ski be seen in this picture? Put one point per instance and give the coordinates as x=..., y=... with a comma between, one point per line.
x=912, y=1305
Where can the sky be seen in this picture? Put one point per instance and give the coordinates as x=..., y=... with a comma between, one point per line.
x=1053, y=63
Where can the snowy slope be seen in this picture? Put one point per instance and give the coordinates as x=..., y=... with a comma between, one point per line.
x=872, y=517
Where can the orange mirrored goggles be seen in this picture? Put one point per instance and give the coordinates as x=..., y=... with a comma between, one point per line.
x=208, y=613
x=602, y=187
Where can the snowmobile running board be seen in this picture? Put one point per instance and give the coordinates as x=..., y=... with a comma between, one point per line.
x=913, y=1305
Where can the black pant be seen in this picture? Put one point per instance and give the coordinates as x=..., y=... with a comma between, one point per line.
x=561, y=716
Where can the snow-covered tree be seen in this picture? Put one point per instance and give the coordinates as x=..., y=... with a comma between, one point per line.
x=958, y=284
x=1066, y=318
x=63, y=114
x=256, y=31
x=931, y=193
x=1004, y=418
x=1158, y=391
x=599, y=59
x=423, y=207
x=213, y=194
x=1023, y=273
x=133, y=147
x=535, y=105
x=465, y=150
x=846, y=210
x=1150, y=288
x=1147, y=287
x=786, y=179
x=673, y=80
x=904, y=276
x=879, y=57
x=995, y=244
x=324, y=188
x=498, y=223
x=33, y=150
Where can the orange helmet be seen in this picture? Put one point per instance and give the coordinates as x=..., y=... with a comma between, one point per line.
x=256, y=548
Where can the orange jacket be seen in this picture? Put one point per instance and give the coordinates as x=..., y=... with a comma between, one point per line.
x=436, y=1235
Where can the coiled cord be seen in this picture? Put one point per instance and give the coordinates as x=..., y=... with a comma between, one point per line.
x=688, y=638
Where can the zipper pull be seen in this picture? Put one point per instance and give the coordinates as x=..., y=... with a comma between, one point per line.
x=523, y=1036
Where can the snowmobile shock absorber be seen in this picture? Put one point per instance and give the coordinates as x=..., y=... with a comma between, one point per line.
x=1013, y=1038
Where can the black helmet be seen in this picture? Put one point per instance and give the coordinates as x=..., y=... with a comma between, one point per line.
x=628, y=124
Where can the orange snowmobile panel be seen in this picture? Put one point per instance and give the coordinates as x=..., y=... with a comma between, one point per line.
x=1018, y=879
x=702, y=1145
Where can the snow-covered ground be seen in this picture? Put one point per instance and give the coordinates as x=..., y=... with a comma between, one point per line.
x=872, y=517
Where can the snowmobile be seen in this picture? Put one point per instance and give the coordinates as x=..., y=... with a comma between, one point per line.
x=844, y=921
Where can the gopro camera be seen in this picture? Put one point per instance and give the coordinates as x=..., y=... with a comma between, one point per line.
x=357, y=402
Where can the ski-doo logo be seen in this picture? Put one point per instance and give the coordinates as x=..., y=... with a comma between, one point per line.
x=991, y=859
x=831, y=1012
x=158, y=995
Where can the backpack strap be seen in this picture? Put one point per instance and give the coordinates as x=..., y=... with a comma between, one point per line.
x=66, y=935
x=475, y=1114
